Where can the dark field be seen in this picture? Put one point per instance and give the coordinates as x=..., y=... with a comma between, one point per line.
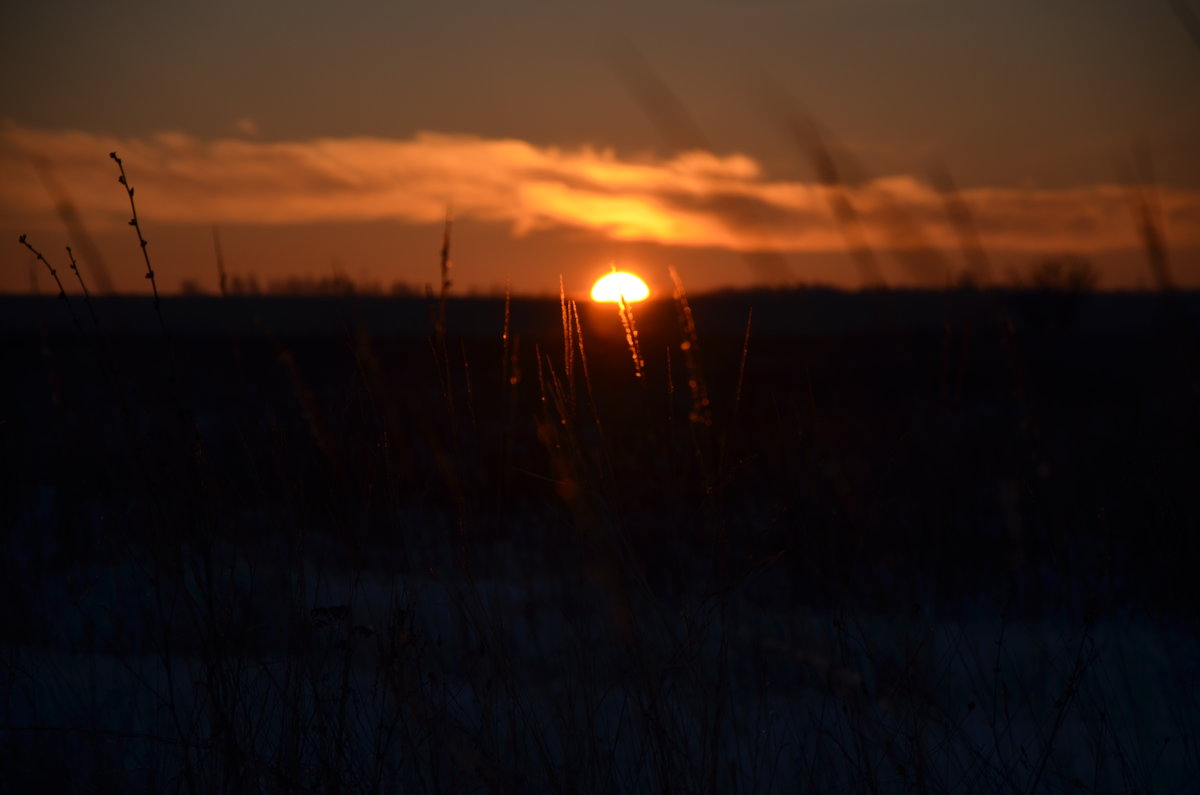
x=919, y=541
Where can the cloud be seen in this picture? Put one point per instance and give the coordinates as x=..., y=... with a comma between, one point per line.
x=696, y=199
x=246, y=126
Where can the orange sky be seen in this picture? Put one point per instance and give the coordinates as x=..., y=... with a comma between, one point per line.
x=568, y=139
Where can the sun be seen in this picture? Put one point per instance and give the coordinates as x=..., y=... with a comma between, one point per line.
x=617, y=285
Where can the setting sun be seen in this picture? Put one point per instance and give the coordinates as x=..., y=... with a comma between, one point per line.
x=617, y=285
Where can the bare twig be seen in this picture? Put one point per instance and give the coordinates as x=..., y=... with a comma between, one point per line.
x=62, y=293
x=142, y=243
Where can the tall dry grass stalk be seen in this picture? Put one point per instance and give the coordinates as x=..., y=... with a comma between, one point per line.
x=77, y=231
x=587, y=382
x=466, y=363
x=142, y=242
x=441, y=353
x=62, y=292
x=701, y=412
x=631, y=335
x=813, y=143
x=87, y=298
x=445, y=264
x=222, y=276
x=670, y=387
x=1146, y=209
x=741, y=378
x=568, y=330
x=962, y=220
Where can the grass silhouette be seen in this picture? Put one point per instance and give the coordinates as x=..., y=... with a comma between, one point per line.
x=378, y=561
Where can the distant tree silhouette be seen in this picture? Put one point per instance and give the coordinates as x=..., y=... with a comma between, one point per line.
x=1059, y=285
x=244, y=285
x=1067, y=273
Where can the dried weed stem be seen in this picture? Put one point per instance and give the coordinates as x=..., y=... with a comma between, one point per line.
x=62, y=293
x=142, y=243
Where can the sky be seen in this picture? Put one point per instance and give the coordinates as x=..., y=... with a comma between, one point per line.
x=743, y=142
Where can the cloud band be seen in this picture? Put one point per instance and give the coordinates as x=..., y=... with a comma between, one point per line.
x=696, y=199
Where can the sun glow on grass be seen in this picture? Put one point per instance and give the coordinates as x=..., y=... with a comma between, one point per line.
x=618, y=285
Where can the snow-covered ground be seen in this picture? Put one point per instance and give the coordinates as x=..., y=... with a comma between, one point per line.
x=223, y=667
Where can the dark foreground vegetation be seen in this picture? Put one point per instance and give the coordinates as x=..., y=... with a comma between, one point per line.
x=887, y=542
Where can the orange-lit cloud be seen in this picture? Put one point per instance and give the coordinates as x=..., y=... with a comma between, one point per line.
x=693, y=199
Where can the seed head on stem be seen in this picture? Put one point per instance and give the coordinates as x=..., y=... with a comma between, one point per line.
x=62, y=293
x=133, y=221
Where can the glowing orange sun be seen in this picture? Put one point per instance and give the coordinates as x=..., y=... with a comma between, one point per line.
x=617, y=285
